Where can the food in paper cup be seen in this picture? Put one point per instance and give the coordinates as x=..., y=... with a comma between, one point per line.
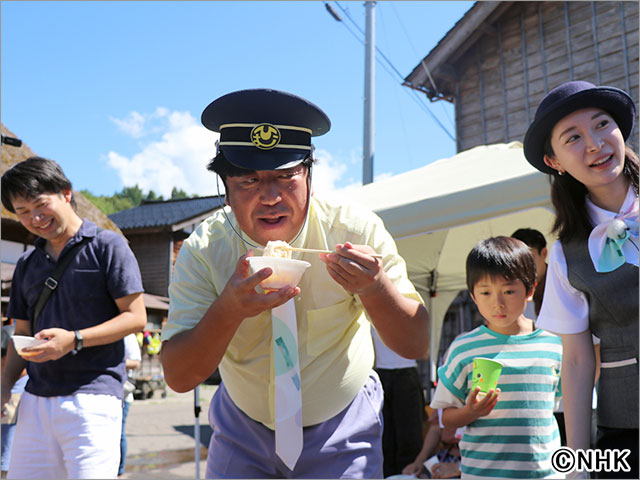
x=23, y=341
x=286, y=271
x=277, y=248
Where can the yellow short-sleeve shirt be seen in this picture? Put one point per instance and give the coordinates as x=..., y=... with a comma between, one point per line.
x=334, y=341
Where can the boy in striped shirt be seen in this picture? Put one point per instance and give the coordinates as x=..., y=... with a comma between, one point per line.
x=511, y=431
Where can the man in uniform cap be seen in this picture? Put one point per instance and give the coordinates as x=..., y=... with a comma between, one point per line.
x=218, y=318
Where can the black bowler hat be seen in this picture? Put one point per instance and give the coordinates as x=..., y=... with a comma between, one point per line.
x=263, y=129
x=567, y=98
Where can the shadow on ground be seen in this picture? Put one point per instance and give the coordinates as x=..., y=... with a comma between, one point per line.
x=205, y=432
x=163, y=459
x=169, y=458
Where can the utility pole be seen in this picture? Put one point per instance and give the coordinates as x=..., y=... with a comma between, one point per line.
x=369, y=84
x=369, y=96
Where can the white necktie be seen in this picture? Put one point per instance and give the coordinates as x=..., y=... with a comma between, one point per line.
x=288, y=398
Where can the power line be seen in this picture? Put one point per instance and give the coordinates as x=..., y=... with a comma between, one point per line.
x=346, y=12
x=389, y=64
x=335, y=15
x=332, y=12
x=422, y=62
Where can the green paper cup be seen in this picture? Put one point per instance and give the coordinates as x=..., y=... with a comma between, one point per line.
x=485, y=374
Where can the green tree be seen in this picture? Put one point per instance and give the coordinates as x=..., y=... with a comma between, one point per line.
x=152, y=196
x=132, y=193
x=108, y=205
x=129, y=197
x=176, y=194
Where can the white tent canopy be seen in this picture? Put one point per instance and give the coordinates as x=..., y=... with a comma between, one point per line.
x=438, y=213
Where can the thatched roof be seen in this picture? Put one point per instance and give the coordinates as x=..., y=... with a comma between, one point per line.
x=12, y=155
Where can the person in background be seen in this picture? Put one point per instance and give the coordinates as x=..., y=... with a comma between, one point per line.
x=578, y=138
x=538, y=246
x=403, y=408
x=71, y=410
x=133, y=359
x=217, y=317
x=10, y=413
x=441, y=442
x=510, y=431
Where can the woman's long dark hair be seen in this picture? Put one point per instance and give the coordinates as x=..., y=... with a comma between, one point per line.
x=568, y=198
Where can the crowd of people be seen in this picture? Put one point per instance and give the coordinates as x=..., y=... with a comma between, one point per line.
x=319, y=378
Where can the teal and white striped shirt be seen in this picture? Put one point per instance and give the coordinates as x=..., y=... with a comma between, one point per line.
x=517, y=438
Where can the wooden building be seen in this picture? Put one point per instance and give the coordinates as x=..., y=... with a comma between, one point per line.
x=156, y=230
x=501, y=58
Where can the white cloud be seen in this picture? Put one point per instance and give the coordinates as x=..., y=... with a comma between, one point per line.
x=334, y=177
x=382, y=176
x=132, y=125
x=175, y=150
x=138, y=125
x=177, y=159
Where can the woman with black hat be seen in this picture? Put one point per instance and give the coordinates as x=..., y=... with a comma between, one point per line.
x=578, y=138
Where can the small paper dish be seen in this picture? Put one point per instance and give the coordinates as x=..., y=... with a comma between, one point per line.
x=286, y=271
x=22, y=341
x=429, y=463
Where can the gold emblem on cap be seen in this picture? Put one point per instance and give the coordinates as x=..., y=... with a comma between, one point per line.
x=265, y=136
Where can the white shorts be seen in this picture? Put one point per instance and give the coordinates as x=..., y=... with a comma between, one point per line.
x=75, y=436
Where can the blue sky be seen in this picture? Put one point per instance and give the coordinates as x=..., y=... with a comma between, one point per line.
x=114, y=91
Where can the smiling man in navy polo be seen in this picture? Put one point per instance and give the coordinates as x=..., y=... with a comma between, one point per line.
x=70, y=413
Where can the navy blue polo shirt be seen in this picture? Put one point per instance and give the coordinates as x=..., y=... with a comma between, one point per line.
x=103, y=270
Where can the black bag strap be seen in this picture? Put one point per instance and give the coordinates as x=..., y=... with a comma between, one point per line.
x=51, y=283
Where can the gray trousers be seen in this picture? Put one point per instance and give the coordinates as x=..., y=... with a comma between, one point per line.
x=348, y=445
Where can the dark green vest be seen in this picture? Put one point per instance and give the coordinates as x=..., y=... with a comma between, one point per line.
x=613, y=317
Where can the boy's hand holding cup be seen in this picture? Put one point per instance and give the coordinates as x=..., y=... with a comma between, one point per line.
x=486, y=373
x=484, y=385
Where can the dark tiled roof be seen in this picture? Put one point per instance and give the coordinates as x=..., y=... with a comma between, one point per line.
x=164, y=213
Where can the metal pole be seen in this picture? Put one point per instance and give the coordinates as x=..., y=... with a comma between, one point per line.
x=196, y=427
x=433, y=351
x=369, y=74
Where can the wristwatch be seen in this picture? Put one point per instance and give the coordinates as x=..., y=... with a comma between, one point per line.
x=78, y=340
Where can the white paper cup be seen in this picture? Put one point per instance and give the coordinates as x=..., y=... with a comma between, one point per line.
x=430, y=462
x=22, y=341
x=286, y=271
